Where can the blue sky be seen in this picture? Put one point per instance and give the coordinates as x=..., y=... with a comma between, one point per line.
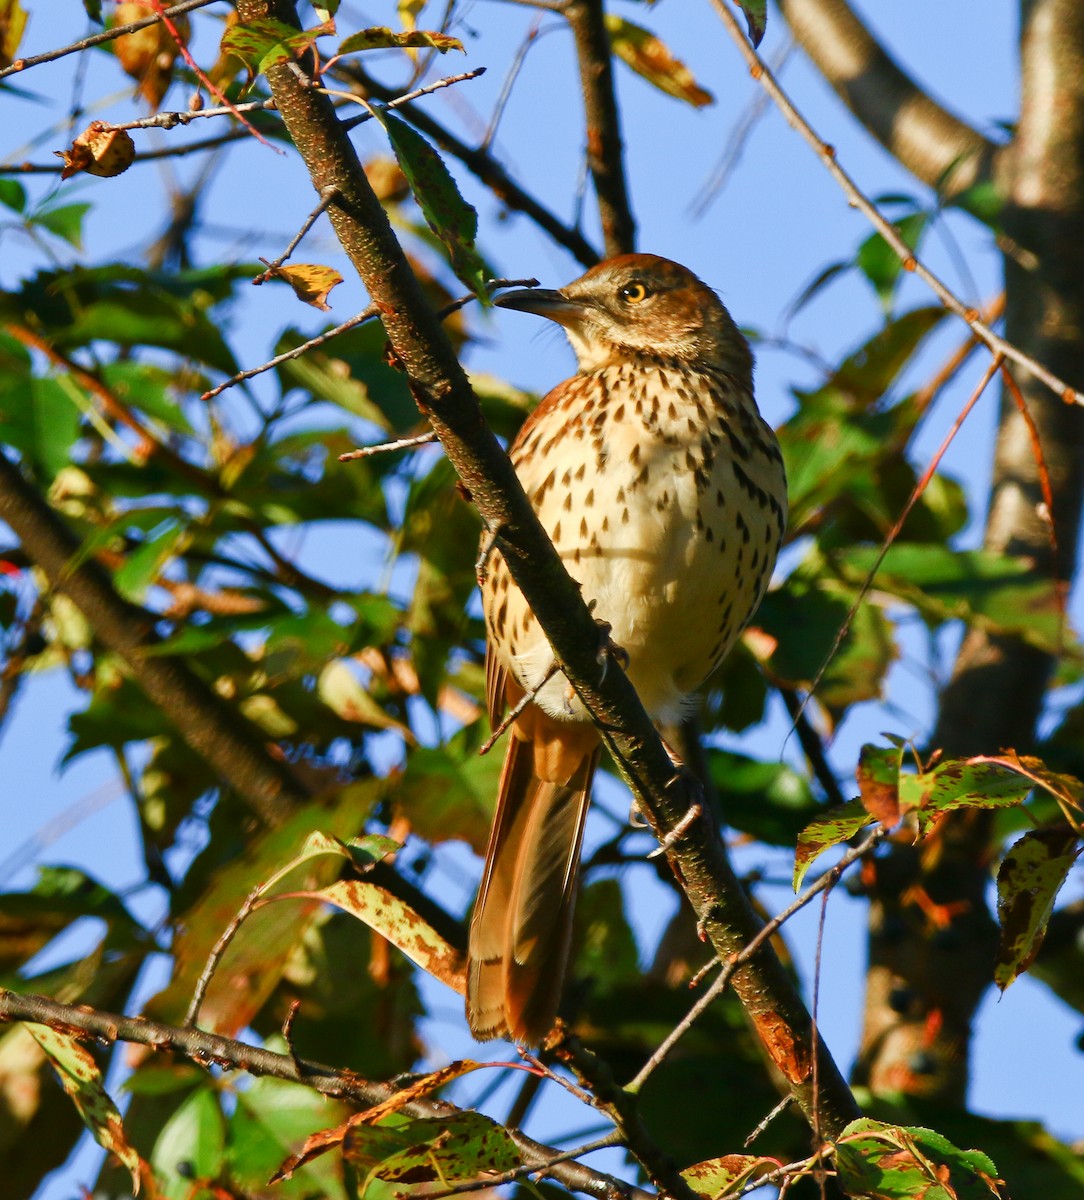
x=779, y=221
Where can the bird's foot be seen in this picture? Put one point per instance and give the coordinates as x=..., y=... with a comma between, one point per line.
x=692, y=814
x=607, y=648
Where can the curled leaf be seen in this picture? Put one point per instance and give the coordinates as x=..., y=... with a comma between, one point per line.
x=380, y=37
x=651, y=59
x=98, y=150
x=311, y=282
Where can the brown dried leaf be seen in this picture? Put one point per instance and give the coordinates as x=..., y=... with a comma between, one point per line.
x=98, y=150
x=148, y=54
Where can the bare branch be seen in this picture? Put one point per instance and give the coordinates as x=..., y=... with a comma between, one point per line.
x=207, y=1048
x=858, y=199
x=605, y=152
x=482, y=164
x=937, y=146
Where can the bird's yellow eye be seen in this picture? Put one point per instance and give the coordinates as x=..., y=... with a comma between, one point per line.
x=634, y=293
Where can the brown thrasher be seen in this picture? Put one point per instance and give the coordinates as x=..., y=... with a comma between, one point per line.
x=664, y=493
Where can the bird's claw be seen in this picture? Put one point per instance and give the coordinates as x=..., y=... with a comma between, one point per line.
x=608, y=649
x=691, y=816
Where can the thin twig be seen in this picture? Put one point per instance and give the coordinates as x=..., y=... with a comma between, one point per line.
x=509, y=80
x=813, y=748
x=366, y=315
x=170, y=120
x=740, y=134
x=827, y=880
x=215, y=957
x=409, y=443
x=96, y=39
x=517, y=710
x=407, y=97
x=763, y=1124
x=858, y=199
x=920, y=486
x=605, y=153
x=327, y=196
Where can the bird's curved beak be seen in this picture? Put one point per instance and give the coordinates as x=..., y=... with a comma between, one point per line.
x=543, y=303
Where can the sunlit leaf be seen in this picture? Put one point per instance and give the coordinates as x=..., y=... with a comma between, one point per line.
x=894, y=1162
x=82, y=1080
x=311, y=282
x=381, y=37
x=320, y=1143
x=756, y=18
x=449, y=216
x=264, y=42
x=831, y=828
x=718, y=1178
x=652, y=60
x=13, y=18
x=1028, y=882
x=878, y=782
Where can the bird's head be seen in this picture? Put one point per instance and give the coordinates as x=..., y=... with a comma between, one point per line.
x=637, y=305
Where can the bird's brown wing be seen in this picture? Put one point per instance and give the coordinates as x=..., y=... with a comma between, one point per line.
x=496, y=685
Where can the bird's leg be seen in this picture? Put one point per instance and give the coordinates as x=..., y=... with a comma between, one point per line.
x=608, y=648
x=681, y=774
x=481, y=564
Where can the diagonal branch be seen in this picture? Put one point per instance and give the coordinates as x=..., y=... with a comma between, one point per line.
x=444, y=395
x=480, y=163
x=937, y=146
x=207, y=1048
x=605, y=153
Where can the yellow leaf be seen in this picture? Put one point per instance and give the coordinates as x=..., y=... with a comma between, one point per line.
x=651, y=59
x=13, y=20
x=311, y=282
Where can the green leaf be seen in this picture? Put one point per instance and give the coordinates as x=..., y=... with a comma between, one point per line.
x=63, y=221
x=896, y=1162
x=80, y=1078
x=831, y=828
x=272, y=1117
x=39, y=418
x=448, y=791
x=191, y=1145
x=446, y=1149
x=93, y=10
x=1028, y=882
x=265, y=42
x=731, y=1175
x=253, y=964
x=881, y=264
x=995, y=592
x=756, y=18
x=449, y=216
x=145, y=564
x=769, y=801
x=651, y=59
x=146, y=386
x=960, y=783
x=606, y=952
x=878, y=782
x=380, y=37
x=13, y=195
